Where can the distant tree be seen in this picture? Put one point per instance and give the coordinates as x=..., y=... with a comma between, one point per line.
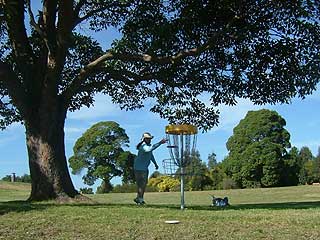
x=86, y=190
x=100, y=151
x=170, y=51
x=307, y=163
x=293, y=172
x=125, y=188
x=212, y=160
x=24, y=178
x=105, y=187
x=6, y=178
x=257, y=149
x=306, y=154
x=198, y=178
x=316, y=167
x=217, y=175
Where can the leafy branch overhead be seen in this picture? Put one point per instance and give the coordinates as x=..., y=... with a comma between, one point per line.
x=170, y=51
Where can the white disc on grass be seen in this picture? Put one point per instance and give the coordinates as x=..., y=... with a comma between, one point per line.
x=172, y=221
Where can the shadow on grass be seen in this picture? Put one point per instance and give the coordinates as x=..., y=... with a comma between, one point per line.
x=18, y=206
x=24, y=206
x=271, y=206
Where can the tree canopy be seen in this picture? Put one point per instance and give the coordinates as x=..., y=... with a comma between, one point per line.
x=100, y=152
x=257, y=149
x=267, y=51
x=172, y=52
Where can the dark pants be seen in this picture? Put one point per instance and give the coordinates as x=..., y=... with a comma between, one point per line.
x=141, y=180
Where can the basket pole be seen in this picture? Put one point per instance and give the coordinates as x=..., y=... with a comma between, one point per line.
x=182, y=173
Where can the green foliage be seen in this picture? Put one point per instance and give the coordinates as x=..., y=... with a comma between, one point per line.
x=293, y=165
x=212, y=160
x=125, y=188
x=257, y=150
x=196, y=173
x=6, y=178
x=216, y=175
x=86, y=190
x=316, y=168
x=253, y=49
x=105, y=187
x=229, y=183
x=100, y=151
x=24, y=178
x=305, y=154
x=309, y=166
x=308, y=163
x=125, y=162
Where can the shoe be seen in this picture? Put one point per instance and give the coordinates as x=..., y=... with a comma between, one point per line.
x=136, y=200
x=139, y=201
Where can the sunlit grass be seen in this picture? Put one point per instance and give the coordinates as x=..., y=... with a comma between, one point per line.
x=276, y=213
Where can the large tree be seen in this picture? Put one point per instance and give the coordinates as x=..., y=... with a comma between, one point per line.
x=170, y=51
x=99, y=151
x=257, y=149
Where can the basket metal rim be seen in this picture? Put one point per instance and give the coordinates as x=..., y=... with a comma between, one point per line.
x=185, y=129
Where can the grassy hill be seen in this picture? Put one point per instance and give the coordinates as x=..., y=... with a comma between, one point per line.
x=14, y=191
x=274, y=213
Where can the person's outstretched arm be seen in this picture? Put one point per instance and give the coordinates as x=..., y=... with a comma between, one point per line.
x=147, y=148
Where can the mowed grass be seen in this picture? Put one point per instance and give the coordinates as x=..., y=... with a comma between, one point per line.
x=275, y=213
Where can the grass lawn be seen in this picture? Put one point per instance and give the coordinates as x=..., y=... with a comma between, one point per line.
x=275, y=213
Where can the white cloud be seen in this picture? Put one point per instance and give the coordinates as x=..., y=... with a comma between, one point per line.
x=230, y=116
x=15, y=127
x=70, y=130
x=12, y=133
x=103, y=106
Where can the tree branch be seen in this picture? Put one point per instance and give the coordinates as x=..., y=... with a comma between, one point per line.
x=127, y=57
x=65, y=19
x=97, y=65
x=49, y=19
x=14, y=17
x=79, y=6
x=15, y=89
x=79, y=19
x=32, y=19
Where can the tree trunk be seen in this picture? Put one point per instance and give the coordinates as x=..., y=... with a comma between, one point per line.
x=105, y=186
x=47, y=160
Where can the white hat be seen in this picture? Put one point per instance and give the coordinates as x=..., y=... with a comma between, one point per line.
x=146, y=135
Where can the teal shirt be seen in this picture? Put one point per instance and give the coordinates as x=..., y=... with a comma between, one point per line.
x=145, y=155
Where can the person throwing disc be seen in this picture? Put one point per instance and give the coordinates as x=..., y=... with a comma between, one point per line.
x=142, y=162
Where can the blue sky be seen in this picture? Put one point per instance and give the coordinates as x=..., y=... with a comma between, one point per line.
x=302, y=117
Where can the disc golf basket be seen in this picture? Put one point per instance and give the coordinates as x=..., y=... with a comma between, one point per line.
x=181, y=143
